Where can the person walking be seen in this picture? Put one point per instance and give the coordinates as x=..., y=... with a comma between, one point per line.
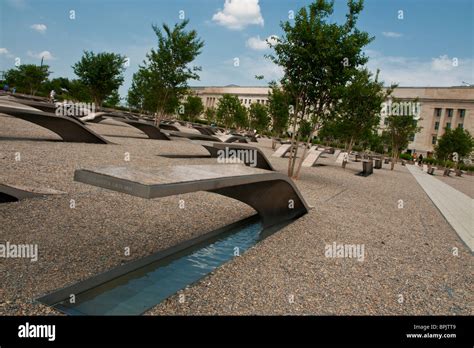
x=420, y=159
x=52, y=94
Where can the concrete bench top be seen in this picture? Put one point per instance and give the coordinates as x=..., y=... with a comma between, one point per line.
x=272, y=194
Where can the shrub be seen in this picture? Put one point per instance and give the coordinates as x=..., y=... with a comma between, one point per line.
x=406, y=156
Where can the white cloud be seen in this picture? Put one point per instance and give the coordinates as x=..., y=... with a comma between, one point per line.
x=237, y=14
x=443, y=63
x=44, y=54
x=416, y=72
x=391, y=34
x=5, y=52
x=256, y=43
x=40, y=28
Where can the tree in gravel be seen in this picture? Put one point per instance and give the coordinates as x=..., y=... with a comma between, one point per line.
x=210, y=114
x=398, y=132
x=318, y=57
x=166, y=71
x=113, y=99
x=101, y=73
x=357, y=114
x=231, y=112
x=193, y=107
x=454, y=140
x=278, y=110
x=27, y=78
x=258, y=115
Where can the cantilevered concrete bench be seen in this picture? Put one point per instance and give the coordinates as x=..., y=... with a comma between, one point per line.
x=273, y=195
x=219, y=149
x=67, y=128
x=233, y=139
x=282, y=150
x=43, y=106
x=312, y=157
x=149, y=129
x=194, y=136
x=167, y=126
x=203, y=130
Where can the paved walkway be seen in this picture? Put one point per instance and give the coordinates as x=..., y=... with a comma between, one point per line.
x=457, y=208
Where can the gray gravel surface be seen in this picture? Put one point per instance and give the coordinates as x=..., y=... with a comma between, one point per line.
x=408, y=251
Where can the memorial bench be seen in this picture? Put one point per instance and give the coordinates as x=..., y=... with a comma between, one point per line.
x=67, y=128
x=216, y=149
x=273, y=195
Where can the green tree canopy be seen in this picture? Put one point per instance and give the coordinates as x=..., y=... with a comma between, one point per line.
x=454, y=140
x=101, y=73
x=231, y=112
x=318, y=58
x=259, y=118
x=210, y=114
x=400, y=129
x=162, y=81
x=193, y=107
x=278, y=109
x=357, y=114
x=27, y=78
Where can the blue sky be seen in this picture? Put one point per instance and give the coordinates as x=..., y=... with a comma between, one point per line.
x=432, y=45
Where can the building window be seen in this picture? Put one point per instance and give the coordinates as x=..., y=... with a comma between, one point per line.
x=434, y=138
x=448, y=125
x=385, y=121
x=412, y=138
x=462, y=112
x=436, y=125
x=450, y=112
x=438, y=112
x=460, y=125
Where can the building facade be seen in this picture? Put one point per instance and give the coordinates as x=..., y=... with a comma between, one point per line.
x=439, y=108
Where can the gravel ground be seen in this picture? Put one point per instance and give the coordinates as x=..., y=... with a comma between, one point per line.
x=464, y=183
x=408, y=251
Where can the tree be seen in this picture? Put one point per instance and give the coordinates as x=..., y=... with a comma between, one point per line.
x=163, y=79
x=454, y=140
x=113, y=99
x=259, y=118
x=101, y=73
x=357, y=114
x=193, y=107
x=318, y=58
x=400, y=129
x=231, y=112
x=27, y=78
x=278, y=109
x=210, y=114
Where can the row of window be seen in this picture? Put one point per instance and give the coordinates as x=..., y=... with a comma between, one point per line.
x=211, y=101
x=450, y=112
x=249, y=101
x=448, y=125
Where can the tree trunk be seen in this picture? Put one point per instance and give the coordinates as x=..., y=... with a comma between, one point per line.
x=290, y=160
x=394, y=159
x=349, y=149
x=298, y=169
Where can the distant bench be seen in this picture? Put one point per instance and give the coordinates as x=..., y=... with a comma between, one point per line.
x=216, y=149
x=67, y=128
x=273, y=195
